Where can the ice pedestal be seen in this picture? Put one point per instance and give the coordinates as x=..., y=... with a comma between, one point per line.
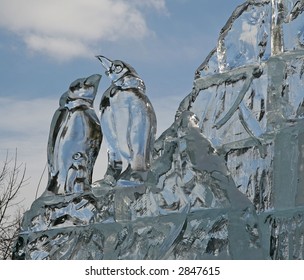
x=226, y=179
x=201, y=234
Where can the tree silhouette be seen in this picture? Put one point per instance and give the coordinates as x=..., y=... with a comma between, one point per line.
x=12, y=179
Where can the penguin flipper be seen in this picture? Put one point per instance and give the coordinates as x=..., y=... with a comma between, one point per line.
x=59, y=119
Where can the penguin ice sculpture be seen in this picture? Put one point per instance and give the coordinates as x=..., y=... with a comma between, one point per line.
x=75, y=138
x=128, y=122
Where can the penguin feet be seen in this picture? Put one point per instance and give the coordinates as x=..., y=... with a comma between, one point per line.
x=114, y=169
x=111, y=176
x=114, y=177
x=103, y=187
x=77, y=180
x=126, y=175
x=107, y=181
x=131, y=177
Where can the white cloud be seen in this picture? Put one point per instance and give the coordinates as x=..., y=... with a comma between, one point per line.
x=26, y=117
x=159, y=5
x=24, y=126
x=59, y=48
x=65, y=29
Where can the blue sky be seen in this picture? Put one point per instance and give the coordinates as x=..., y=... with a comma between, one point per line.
x=45, y=45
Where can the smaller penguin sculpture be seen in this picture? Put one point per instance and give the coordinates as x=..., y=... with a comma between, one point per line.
x=75, y=138
x=128, y=122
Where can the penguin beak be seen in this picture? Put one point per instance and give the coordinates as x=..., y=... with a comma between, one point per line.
x=106, y=63
x=93, y=80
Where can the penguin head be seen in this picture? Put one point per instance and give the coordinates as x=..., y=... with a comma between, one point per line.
x=116, y=69
x=84, y=88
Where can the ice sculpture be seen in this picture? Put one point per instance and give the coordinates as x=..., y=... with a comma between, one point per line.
x=225, y=180
x=128, y=122
x=248, y=97
x=75, y=138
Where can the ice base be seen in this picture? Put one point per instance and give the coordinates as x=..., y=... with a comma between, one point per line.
x=118, y=234
x=86, y=231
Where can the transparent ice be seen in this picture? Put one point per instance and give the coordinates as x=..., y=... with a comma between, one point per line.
x=225, y=180
x=128, y=123
x=74, y=139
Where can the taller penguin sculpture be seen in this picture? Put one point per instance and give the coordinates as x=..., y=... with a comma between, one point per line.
x=75, y=138
x=128, y=122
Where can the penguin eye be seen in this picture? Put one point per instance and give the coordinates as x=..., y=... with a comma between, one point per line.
x=77, y=156
x=75, y=87
x=118, y=69
x=87, y=84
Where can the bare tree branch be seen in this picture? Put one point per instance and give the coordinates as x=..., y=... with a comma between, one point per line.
x=12, y=179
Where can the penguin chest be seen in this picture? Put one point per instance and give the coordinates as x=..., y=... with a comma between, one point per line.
x=123, y=104
x=78, y=137
x=127, y=120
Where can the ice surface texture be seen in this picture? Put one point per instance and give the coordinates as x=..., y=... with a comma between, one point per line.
x=225, y=180
x=75, y=138
x=128, y=122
